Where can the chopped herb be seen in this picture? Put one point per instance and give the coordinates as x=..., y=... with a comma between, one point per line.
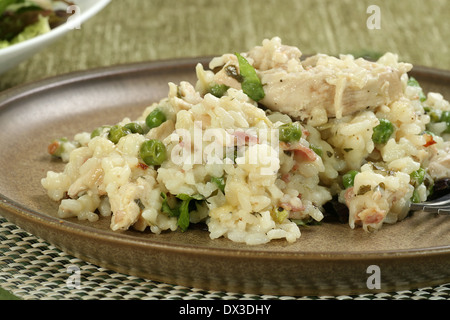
x=218, y=90
x=183, y=196
x=167, y=209
x=367, y=54
x=383, y=131
x=317, y=150
x=184, y=216
x=219, y=182
x=232, y=72
x=182, y=211
x=348, y=179
x=251, y=84
x=305, y=222
x=290, y=132
x=364, y=189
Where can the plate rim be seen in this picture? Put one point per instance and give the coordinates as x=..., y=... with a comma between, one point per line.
x=18, y=213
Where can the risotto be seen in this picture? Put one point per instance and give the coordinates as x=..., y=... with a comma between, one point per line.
x=259, y=145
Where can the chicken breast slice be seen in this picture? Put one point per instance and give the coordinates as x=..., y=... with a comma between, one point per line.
x=340, y=86
x=337, y=86
x=123, y=205
x=439, y=166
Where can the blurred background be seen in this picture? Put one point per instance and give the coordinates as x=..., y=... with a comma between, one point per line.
x=142, y=30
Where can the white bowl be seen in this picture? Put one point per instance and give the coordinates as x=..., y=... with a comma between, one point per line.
x=15, y=54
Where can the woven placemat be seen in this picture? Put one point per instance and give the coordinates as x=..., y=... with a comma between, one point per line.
x=32, y=269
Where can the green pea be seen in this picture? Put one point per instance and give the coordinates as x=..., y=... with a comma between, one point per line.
x=348, y=179
x=445, y=116
x=422, y=96
x=417, y=177
x=155, y=118
x=218, y=90
x=412, y=82
x=98, y=131
x=117, y=132
x=134, y=127
x=153, y=152
x=434, y=117
x=290, y=132
x=383, y=131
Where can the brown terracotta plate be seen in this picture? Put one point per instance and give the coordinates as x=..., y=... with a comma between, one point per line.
x=328, y=259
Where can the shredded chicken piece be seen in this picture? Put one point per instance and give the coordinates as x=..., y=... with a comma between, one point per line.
x=124, y=207
x=439, y=166
x=339, y=85
x=163, y=131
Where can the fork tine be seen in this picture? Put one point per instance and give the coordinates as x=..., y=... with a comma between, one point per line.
x=423, y=207
x=440, y=205
x=444, y=211
x=436, y=208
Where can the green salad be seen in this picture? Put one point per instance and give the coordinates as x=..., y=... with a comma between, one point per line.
x=22, y=20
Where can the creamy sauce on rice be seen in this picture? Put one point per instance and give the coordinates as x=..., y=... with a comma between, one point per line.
x=208, y=153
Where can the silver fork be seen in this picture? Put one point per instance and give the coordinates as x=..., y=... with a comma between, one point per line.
x=440, y=205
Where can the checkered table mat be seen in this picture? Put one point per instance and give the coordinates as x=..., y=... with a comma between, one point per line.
x=32, y=269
